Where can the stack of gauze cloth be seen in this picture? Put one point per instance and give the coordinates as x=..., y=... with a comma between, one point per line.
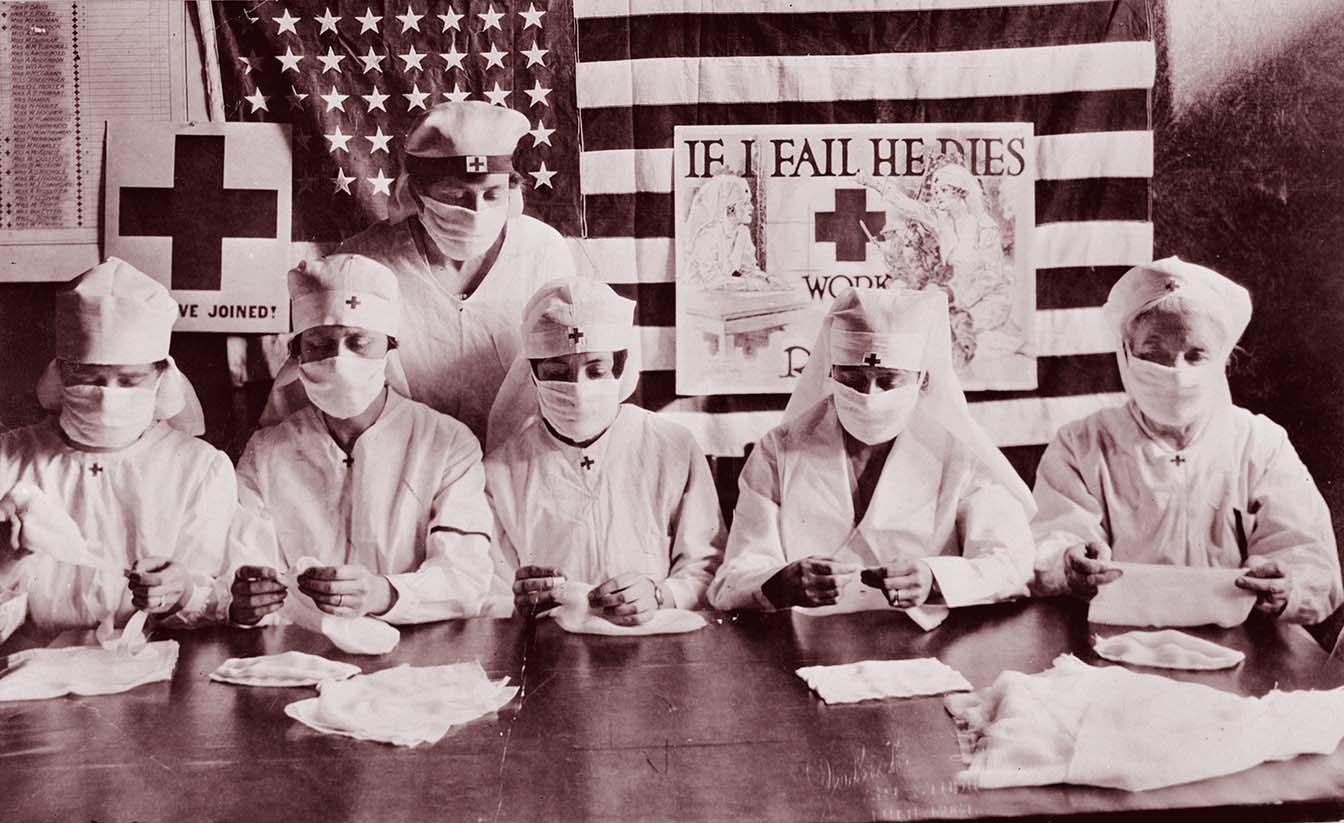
x=574, y=615
x=285, y=670
x=405, y=705
x=119, y=663
x=878, y=679
x=1111, y=727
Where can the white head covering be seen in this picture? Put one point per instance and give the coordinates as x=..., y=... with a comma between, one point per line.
x=114, y=314
x=458, y=140
x=1142, y=287
x=337, y=290
x=902, y=329
x=571, y=315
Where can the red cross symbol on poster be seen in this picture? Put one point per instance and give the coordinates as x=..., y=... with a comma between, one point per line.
x=205, y=209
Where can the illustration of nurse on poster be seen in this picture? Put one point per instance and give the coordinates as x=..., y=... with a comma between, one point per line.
x=774, y=221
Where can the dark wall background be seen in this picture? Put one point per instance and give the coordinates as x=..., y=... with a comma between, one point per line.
x=1250, y=182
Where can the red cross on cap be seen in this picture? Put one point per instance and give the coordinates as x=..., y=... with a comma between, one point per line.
x=475, y=163
x=1172, y=285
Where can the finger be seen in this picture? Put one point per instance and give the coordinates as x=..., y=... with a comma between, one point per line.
x=901, y=582
x=1096, y=580
x=339, y=611
x=1084, y=566
x=1265, y=570
x=331, y=573
x=1097, y=551
x=630, y=582
x=534, y=584
x=816, y=597
x=828, y=585
x=151, y=564
x=827, y=566
x=260, y=587
x=629, y=609
x=607, y=601
x=331, y=587
x=256, y=573
x=261, y=601
x=1255, y=584
x=145, y=579
x=872, y=577
x=537, y=571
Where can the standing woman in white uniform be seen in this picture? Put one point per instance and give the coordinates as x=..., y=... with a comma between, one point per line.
x=466, y=256
x=878, y=468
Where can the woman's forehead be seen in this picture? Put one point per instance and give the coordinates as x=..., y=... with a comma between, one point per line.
x=456, y=185
x=1177, y=322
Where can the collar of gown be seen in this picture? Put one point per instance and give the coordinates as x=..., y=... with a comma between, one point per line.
x=1155, y=449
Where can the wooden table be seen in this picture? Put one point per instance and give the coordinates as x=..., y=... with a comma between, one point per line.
x=711, y=725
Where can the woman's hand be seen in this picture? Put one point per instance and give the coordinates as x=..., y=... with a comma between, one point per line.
x=347, y=591
x=627, y=599
x=906, y=583
x=257, y=591
x=812, y=581
x=1271, y=584
x=158, y=585
x=1087, y=568
x=534, y=589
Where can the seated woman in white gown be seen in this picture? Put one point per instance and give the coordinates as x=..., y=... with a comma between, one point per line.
x=878, y=467
x=1179, y=475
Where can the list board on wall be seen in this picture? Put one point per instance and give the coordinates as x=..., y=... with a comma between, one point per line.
x=66, y=68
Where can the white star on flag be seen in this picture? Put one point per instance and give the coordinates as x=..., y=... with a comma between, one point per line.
x=375, y=99
x=541, y=134
x=457, y=95
x=341, y=181
x=296, y=97
x=491, y=18
x=497, y=95
x=538, y=93
x=258, y=101
x=285, y=22
x=289, y=61
x=372, y=61
x=409, y=20
x=535, y=55
x=328, y=21
x=337, y=141
x=379, y=141
x=369, y=22
x=331, y=61
x=247, y=63
x=453, y=56
x=416, y=97
x=334, y=100
x=494, y=57
x=543, y=176
x=381, y=183
x=413, y=58
x=532, y=16
x=451, y=20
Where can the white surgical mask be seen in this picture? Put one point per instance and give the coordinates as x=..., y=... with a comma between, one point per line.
x=878, y=417
x=579, y=411
x=460, y=233
x=107, y=417
x=1171, y=396
x=345, y=385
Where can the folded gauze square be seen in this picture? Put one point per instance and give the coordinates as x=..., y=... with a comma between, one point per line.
x=876, y=679
x=284, y=669
x=573, y=615
x=406, y=705
x=1166, y=649
x=1150, y=594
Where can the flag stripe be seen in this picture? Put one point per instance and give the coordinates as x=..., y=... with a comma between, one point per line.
x=950, y=74
x=593, y=9
x=1075, y=287
x=1058, y=157
x=1069, y=112
x=1066, y=246
x=754, y=34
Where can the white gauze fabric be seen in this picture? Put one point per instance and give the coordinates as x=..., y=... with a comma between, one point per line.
x=1111, y=727
x=406, y=705
x=1166, y=649
x=1152, y=594
x=109, y=668
x=878, y=679
x=290, y=668
x=13, y=611
x=352, y=635
x=574, y=616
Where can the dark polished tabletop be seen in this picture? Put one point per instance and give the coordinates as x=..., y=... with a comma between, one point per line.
x=712, y=725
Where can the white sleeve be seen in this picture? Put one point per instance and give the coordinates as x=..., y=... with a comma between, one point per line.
x=698, y=535
x=202, y=545
x=1067, y=514
x=755, y=550
x=996, y=548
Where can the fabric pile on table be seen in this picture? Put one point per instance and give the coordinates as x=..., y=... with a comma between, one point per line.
x=878, y=679
x=405, y=705
x=1150, y=594
x=119, y=663
x=573, y=615
x=1111, y=727
x=282, y=670
x=1166, y=649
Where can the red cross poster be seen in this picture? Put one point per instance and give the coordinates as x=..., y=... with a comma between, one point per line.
x=205, y=209
x=772, y=222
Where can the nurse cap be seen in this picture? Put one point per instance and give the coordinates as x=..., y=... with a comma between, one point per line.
x=576, y=314
x=1143, y=286
x=886, y=328
x=344, y=290
x=114, y=314
x=461, y=139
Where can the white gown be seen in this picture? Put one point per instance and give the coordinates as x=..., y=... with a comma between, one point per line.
x=410, y=505
x=1239, y=490
x=641, y=499
x=167, y=494
x=454, y=351
x=932, y=502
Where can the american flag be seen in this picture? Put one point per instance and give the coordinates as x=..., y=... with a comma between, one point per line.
x=624, y=73
x=351, y=77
